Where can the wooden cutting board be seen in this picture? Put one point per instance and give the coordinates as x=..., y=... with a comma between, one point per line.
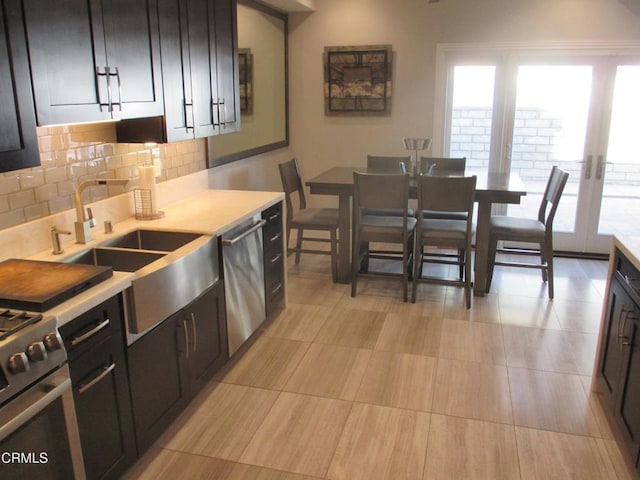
x=38, y=286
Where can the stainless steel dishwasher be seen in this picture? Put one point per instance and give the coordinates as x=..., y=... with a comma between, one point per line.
x=243, y=281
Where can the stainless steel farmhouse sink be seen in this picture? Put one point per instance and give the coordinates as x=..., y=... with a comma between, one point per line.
x=152, y=240
x=171, y=270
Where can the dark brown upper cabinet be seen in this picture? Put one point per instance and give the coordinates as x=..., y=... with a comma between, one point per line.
x=18, y=139
x=200, y=68
x=94, y=60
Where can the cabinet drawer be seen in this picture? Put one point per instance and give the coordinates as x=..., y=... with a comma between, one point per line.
x=272, y=237
x=274, y=295
x=273, y=214
x=93, y=326
x=103, y=409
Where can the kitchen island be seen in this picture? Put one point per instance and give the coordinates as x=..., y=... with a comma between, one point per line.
x=616, y=375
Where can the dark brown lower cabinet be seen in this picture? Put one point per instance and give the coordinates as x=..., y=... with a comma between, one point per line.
x=619, y=366
x=95, y=346
x=273, y=258
x=168, y=365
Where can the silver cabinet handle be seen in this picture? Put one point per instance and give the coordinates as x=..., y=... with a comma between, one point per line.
x=275, y=237
x=623, y=340
x=223, y=122
x=186, y=338
x=215, y=113
x=90, y=333
x=105, y=371
x=116, y=73
x=188, y=114
x=276, y=258
x=107, y=72
x=195, y=332
x=98, y=75
x=255, y=227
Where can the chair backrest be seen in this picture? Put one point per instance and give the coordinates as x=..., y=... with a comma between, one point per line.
x=446, y=194
x=450, y=164
x=292, y=183
x=381, y=191
x=555, y=186
x=393, y=164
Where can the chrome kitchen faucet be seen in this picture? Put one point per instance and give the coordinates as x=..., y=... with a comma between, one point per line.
x=85, y=223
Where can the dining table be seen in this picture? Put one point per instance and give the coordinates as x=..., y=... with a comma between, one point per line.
x=491, y=188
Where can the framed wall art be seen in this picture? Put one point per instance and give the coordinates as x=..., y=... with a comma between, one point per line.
x=357, y=80
x=245, y=67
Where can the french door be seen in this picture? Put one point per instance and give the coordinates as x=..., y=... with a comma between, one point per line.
x=526, y=110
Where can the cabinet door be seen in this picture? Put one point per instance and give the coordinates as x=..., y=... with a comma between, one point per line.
x=65, y=53
x=176, y=73
x=103, y=409
x=208, y=338
x=132, y=45
x=612, y=356
x=93, y=59
x=157, y=378
x=18, y=139
x=228, y=93
x=628, y=404
x=202, y=64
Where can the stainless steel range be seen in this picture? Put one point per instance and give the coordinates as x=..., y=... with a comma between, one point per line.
x=38, y=430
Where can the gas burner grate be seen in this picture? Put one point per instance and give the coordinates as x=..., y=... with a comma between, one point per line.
x=11, y=321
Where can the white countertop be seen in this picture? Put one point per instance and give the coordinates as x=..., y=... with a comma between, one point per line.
x=209, y=212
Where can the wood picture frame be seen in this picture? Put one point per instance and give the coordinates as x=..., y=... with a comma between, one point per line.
x=357, y=80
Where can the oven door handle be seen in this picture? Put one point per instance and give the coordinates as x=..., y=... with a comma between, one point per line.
x=31, y=402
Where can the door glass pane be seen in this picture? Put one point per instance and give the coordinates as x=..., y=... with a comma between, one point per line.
x=620, y=205
x=473, y=88
x=552, y=109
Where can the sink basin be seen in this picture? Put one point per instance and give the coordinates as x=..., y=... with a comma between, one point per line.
x=152, y=240
x=121, y=260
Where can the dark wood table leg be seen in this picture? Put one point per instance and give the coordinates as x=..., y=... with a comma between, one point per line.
x=482, y=248
x=344, y=238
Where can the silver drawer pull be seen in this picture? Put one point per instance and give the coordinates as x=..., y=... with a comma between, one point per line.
x=273, y=216
x=276, y=258
x=276, y=289
x=76, y=340
x=275, y=237
x=106, y=371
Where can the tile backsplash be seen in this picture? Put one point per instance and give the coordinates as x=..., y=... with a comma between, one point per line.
x=70, y=154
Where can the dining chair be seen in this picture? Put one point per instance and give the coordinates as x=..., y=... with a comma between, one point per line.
x=386, y=164
x=302, y=218
x=529, y=230
x=450, y=164
x=398, y=164
x=446, y=195
x=381, y=191
x=455, y=166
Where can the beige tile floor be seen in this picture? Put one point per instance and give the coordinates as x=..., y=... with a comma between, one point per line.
x=372, y=388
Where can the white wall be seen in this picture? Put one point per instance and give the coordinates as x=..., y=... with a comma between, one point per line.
x=414, y=28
